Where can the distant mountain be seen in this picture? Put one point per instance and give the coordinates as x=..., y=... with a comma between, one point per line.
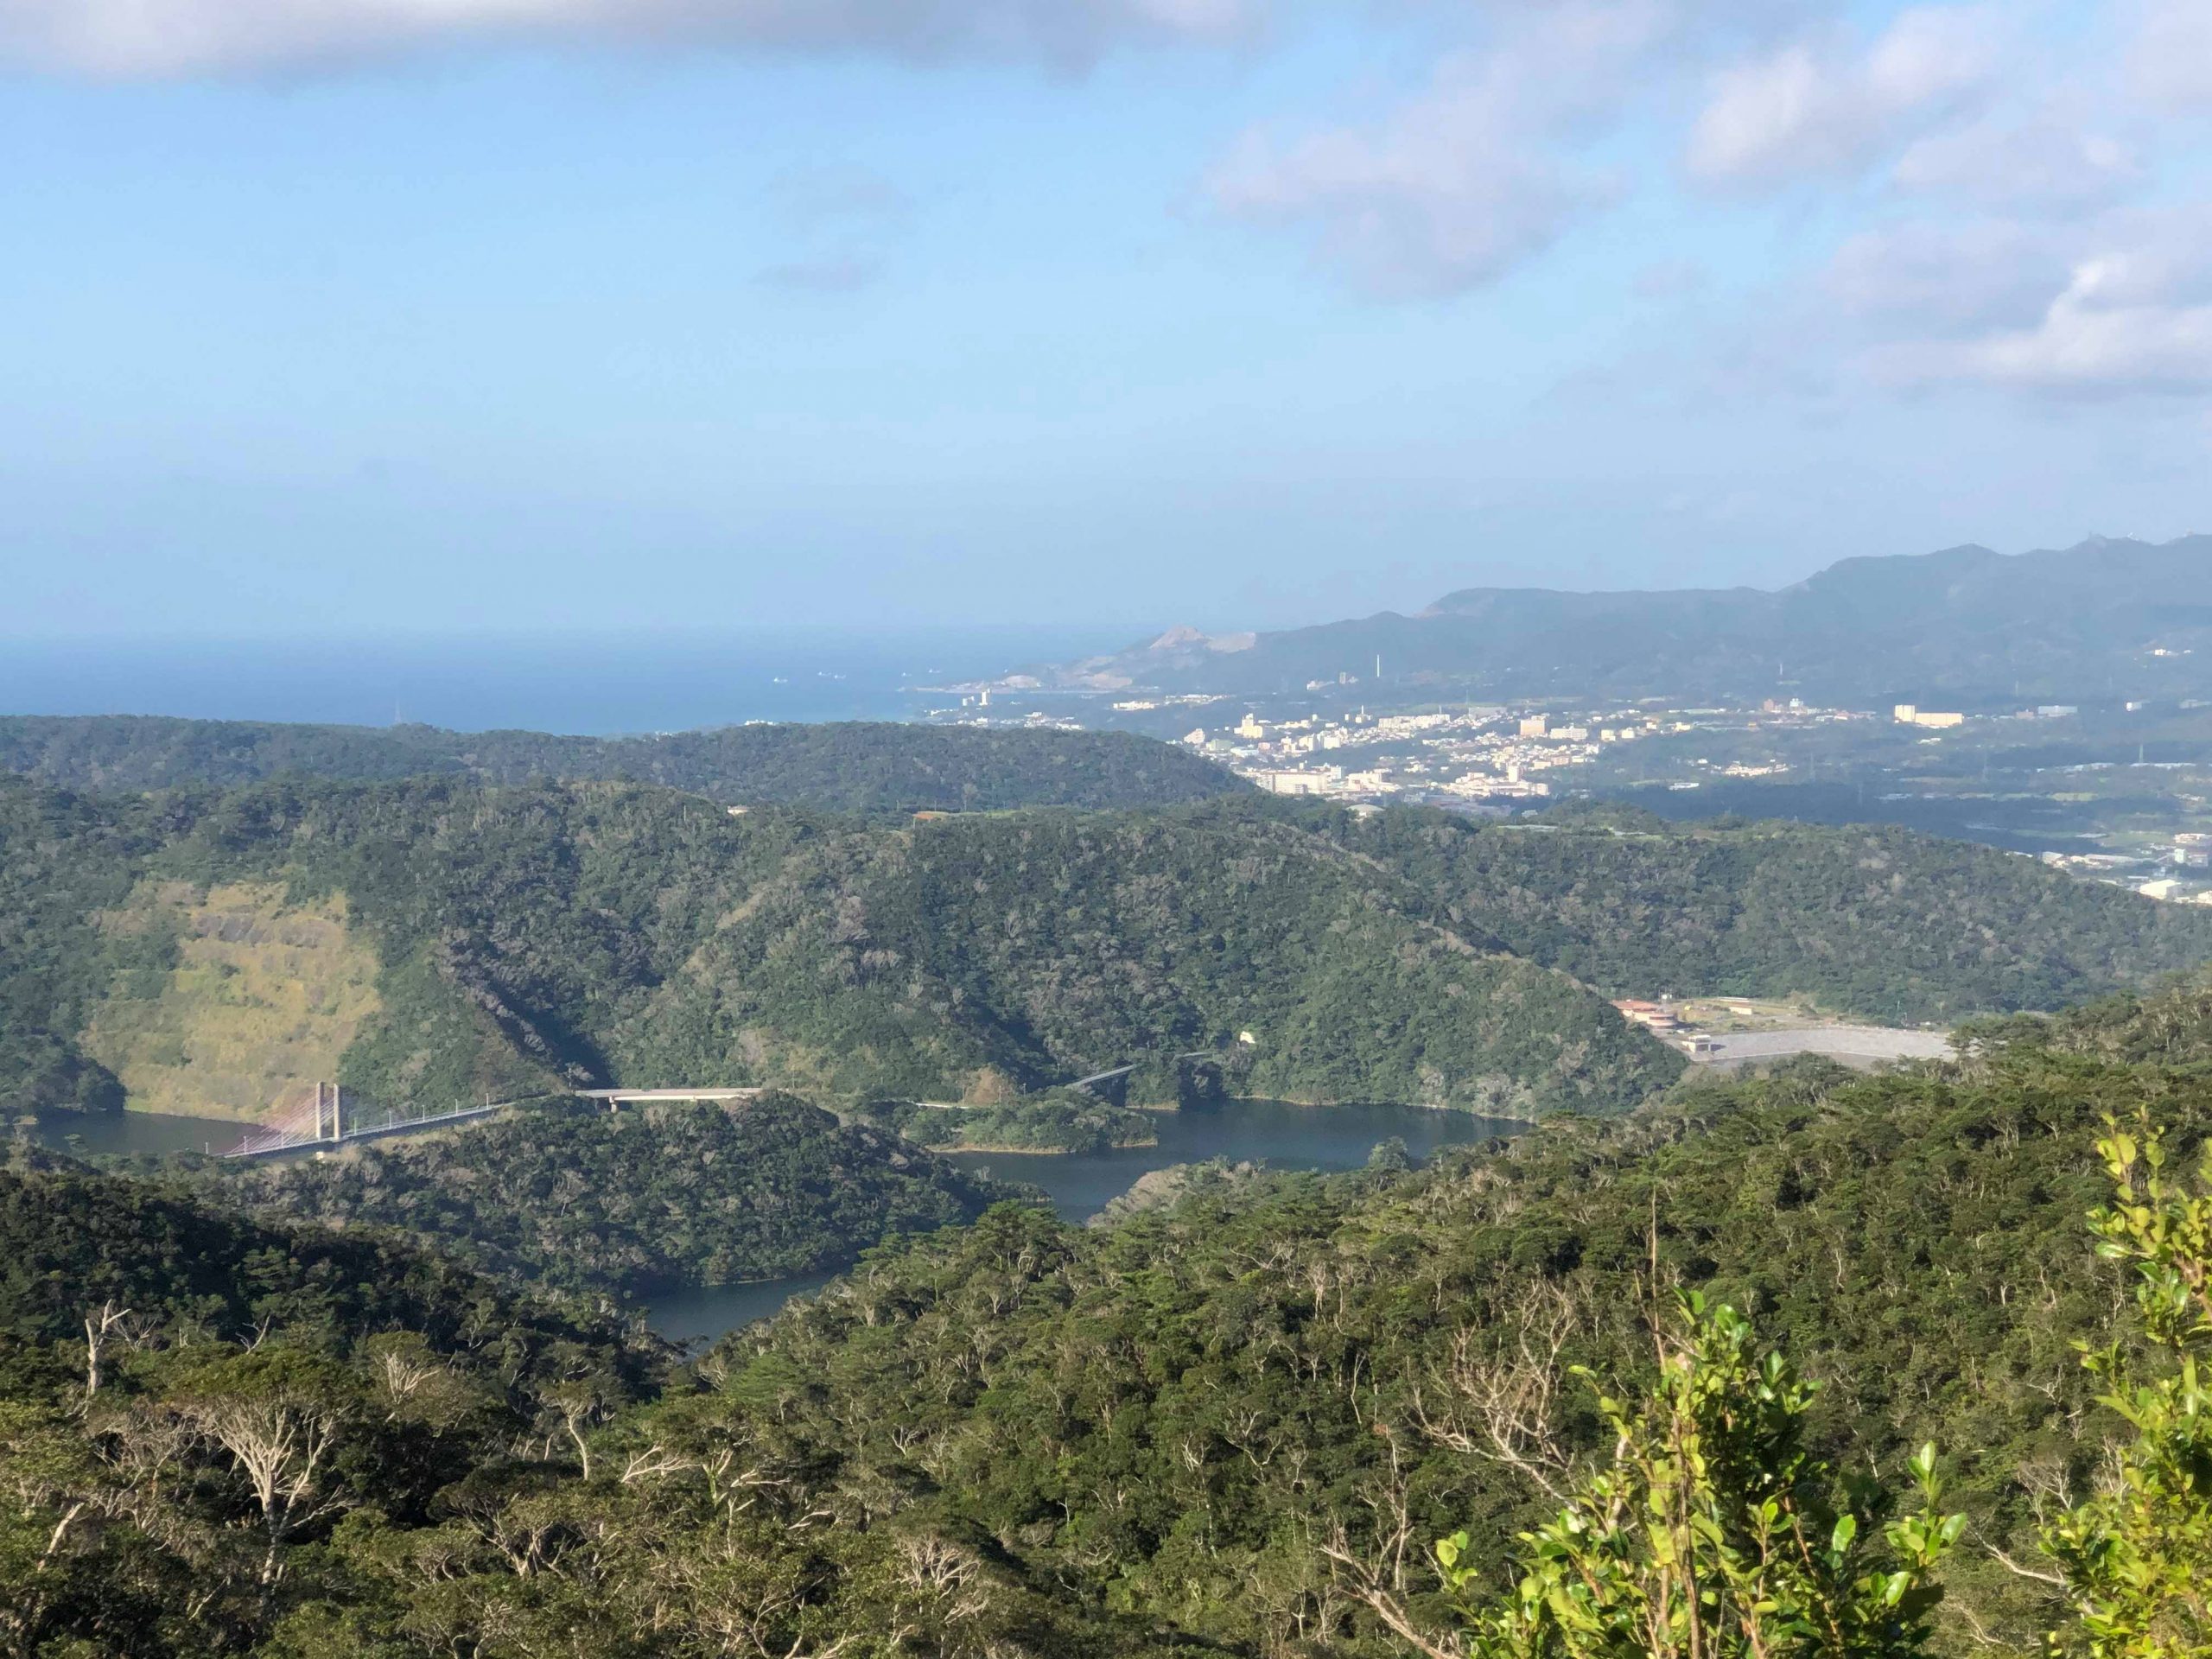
x=855, y=766
x=1965, y=625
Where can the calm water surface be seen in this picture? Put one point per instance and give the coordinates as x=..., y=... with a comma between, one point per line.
x=682, y=1315
x=132, y=1132
x=598, y=683
x=1285, y=1137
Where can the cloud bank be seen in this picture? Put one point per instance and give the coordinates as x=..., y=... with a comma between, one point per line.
x=1464, y=180
x=2116, y=307
x=2010, y=205
x=1814, y=108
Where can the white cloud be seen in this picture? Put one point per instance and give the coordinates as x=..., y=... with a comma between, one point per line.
x=1814, y=108
x=2131, y=313
x=829, y=273
x=1670, y=279
x=2170, y=60
x=2053, y=160
x=1946, y=278
x=843, y=219
x=151, y=39
x=2079, y=349
x=1459, y=182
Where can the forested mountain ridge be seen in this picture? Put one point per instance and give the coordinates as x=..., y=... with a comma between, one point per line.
x=1874, y=921
x=1035, y=949
x=537, y=938
x=850, y=766
x=1208, y=1424
x=433, y=939
x=2168, y=1027
x=2105, y=617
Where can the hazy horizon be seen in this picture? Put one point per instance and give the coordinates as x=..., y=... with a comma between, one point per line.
x=594, y=684
x=1022, y=640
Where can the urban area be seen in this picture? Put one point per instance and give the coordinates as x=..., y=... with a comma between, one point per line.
x=1495, y=759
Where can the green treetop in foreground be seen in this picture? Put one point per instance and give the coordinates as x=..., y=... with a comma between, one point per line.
x=1712, y=1531
x=2138, y=1555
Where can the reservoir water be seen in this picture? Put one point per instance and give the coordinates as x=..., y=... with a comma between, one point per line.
x=1270, y=1131
x=1080, y=1185
x=122, y=1133
x=1281, y=1135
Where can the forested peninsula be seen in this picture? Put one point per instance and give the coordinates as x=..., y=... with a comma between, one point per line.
x=659, y=1196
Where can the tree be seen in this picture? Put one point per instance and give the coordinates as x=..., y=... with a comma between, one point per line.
x=278, y=1415
x=2137, y=1555
x=48, y=1479
x=1711, y=1531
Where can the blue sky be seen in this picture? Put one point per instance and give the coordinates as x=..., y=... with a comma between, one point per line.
x=394, y=316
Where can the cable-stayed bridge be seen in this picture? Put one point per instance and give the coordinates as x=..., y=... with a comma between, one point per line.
x=334, y=1118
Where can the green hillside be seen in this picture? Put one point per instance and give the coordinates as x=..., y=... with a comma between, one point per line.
x=543, y=936
x=857, y=766
x=1877, y=922
x=1203, y=1428
x=961, y=958
x=435, y=940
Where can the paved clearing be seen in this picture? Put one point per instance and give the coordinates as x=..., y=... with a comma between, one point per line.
x=1856, y=1046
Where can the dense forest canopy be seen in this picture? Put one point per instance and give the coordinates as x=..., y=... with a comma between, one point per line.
x=537, y=938
x=1059, y=1119
x=1216, y=1422
x=1873, y=921
x=857, y=766
x=641, y=1200
x=437, y=940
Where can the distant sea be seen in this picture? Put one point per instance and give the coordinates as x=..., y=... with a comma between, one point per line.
x=576, y=683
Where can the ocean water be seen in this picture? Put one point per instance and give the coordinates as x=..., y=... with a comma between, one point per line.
x=593, y=685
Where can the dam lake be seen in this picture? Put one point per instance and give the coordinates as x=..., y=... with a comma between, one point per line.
x=1079, y=1185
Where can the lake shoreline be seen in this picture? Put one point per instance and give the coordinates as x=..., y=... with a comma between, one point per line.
x=1280, y=1134
x=947, y=1149
x=1392, y=1105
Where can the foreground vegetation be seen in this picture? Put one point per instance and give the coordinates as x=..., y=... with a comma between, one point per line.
x=1238, y=1422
